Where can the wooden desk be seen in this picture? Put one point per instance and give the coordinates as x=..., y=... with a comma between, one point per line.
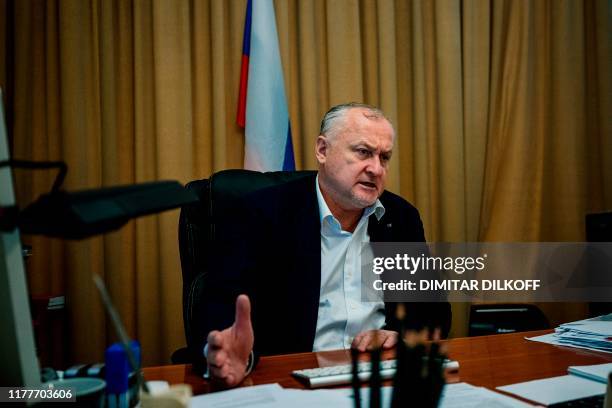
x=488, y=361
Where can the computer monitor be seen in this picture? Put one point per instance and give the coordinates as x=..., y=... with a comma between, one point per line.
x=18, y=362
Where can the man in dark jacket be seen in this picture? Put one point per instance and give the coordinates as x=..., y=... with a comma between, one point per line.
x=299, y=259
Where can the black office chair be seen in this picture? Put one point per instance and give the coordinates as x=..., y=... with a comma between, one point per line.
x=598, y=229
x=201, y=225
x=498, y=318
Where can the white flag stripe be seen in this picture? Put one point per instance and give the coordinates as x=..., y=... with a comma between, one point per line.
x=267, y=116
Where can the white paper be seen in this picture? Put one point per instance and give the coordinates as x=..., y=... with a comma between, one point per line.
x=295, y=398
x=556, y=389
x=259, y=395
x=601, y=325
x=590, y=334
x=464, y=395
x=596, y=372
x=552, y=339
x=460, y=395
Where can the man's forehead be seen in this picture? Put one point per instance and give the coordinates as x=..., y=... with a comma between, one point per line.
x=366, y=130
x=362, y=114
x=360, y=118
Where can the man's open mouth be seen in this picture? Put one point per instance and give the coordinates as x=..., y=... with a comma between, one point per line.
x=368, y=184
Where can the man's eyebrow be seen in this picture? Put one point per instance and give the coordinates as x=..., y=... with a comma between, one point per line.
x=369, y=146
x=363, y=143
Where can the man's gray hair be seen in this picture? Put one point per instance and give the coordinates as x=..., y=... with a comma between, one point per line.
x=333, y=120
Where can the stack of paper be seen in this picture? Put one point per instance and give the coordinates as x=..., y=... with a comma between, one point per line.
x=592, y=334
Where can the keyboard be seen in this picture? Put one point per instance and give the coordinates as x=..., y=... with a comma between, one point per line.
x=343, y=374
x=587, y=402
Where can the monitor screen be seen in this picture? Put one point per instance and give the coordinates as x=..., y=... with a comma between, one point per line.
x=18, y=363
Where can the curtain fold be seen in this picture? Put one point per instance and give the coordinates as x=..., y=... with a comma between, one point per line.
x=501, y=110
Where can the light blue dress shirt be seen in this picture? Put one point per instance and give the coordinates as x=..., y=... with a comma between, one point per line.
x=342, y=314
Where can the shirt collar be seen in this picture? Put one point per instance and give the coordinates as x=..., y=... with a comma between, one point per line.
x=324, y=212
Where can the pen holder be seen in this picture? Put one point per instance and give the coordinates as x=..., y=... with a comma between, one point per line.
x=418, y=381
x=419, y=378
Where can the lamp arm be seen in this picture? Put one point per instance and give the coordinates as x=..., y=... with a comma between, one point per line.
x=38, y=165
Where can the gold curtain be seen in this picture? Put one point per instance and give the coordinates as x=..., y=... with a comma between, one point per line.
x=501, y=110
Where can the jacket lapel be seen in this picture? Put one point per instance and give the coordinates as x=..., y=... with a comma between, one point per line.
x=308, y=257
x=380, y=231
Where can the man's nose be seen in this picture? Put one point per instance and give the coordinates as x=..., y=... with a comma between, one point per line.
x=375, y=166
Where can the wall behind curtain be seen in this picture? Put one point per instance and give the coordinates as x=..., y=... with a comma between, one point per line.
x=501, y=110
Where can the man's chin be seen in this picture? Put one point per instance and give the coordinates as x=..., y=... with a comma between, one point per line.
x=363, y=201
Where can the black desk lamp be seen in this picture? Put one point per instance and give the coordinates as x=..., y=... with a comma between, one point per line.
x=61, y=214
x=81, y=214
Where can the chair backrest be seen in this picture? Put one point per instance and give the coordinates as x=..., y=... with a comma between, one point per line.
x=202, y=223
x=499, y=318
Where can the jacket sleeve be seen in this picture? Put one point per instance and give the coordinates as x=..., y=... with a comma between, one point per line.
x=419, y=315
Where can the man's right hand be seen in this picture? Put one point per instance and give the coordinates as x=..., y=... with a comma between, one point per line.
x=229, y=349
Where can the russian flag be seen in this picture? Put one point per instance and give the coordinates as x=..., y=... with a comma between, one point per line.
x=262, y=105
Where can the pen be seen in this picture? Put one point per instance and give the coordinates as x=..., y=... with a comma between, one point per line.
x=355, y=380
x=375, y=379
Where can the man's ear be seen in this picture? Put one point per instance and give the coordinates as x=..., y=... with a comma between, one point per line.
x=321, y=148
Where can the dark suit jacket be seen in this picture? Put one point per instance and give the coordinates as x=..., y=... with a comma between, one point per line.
x=274, y=256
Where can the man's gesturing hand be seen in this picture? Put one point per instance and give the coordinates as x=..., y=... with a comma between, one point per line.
x=229, y=349
x=367, y=340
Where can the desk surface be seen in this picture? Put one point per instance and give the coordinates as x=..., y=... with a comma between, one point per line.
x=488, y=361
